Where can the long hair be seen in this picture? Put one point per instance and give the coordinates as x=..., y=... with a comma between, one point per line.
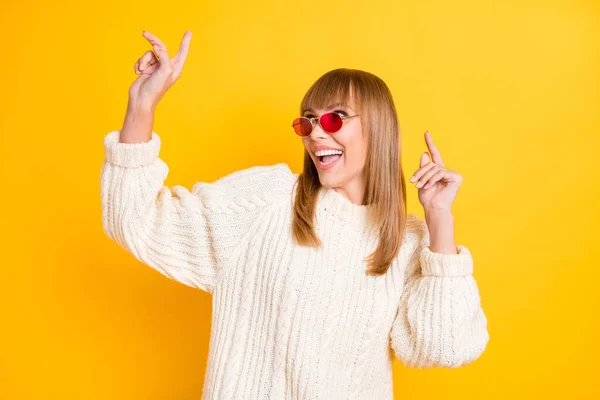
x=385, y=191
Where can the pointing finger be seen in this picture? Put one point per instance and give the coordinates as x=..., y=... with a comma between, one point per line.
x=159, y=48
x=435, y=153
x=154, y=40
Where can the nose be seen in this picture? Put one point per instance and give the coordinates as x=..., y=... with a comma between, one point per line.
x=317, y=132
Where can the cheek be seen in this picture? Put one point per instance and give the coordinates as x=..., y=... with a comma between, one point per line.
x=353, y=143
x=356, y=155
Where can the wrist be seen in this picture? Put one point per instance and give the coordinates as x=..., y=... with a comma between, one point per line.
x=440, y=224
x=137, y=126
x=435, y=213
x=140, y=107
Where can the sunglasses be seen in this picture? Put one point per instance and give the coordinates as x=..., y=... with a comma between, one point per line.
x=330, y=123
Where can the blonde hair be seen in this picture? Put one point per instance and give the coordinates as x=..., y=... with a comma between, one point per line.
x=385, y=191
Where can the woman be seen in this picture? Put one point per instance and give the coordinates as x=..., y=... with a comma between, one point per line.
x=319, y=278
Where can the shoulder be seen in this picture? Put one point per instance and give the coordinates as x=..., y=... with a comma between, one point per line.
x=259, y=184
x=259, y=175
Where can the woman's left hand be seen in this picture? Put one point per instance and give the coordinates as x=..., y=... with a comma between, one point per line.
x=437, y=185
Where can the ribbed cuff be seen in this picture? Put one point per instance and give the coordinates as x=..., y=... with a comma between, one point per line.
x=440, y=264
x=130, y=155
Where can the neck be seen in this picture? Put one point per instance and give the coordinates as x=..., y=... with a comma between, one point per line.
x=354, y=191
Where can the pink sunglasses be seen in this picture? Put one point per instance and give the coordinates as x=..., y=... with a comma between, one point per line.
x=330, y=123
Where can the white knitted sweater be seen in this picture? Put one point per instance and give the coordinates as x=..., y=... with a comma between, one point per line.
x=288, y=321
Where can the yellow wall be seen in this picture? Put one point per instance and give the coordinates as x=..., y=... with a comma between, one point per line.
x=509, y=91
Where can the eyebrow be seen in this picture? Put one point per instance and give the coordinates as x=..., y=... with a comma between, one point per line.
x=329, y=107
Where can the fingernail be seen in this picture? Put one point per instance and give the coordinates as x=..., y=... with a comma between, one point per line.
x=413, y=179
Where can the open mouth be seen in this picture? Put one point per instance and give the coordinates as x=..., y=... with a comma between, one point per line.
x=329, y=159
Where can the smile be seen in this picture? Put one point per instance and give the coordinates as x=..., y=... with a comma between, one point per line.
x=332, y=160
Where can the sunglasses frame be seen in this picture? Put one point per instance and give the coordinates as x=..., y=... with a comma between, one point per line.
x=312, y=121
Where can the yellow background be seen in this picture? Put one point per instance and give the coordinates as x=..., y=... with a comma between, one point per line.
x=509, y=91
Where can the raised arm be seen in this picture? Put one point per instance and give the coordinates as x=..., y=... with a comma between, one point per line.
x=440, y=320
x=186, y=235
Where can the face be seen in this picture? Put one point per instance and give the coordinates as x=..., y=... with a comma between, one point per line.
x=345, y=171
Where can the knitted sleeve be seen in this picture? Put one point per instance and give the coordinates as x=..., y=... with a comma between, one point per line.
x=186, y=235
x=440, y=321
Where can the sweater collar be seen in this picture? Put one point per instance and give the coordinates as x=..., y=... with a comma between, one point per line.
x=332, y=202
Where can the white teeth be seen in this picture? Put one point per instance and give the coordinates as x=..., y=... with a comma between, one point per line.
x=327, y=152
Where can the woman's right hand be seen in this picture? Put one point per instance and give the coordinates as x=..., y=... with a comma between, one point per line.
x=157, y=72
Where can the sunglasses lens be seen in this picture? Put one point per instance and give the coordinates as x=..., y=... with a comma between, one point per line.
x=302, y=126
x=331, y=122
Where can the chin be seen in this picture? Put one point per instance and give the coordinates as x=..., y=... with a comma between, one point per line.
x=329, y=182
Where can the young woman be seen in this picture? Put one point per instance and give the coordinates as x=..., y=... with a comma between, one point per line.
x=318, y=279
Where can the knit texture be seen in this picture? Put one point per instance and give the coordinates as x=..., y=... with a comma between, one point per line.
x=288, y=321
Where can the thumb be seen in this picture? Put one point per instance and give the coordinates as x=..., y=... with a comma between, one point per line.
x=424, y=159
